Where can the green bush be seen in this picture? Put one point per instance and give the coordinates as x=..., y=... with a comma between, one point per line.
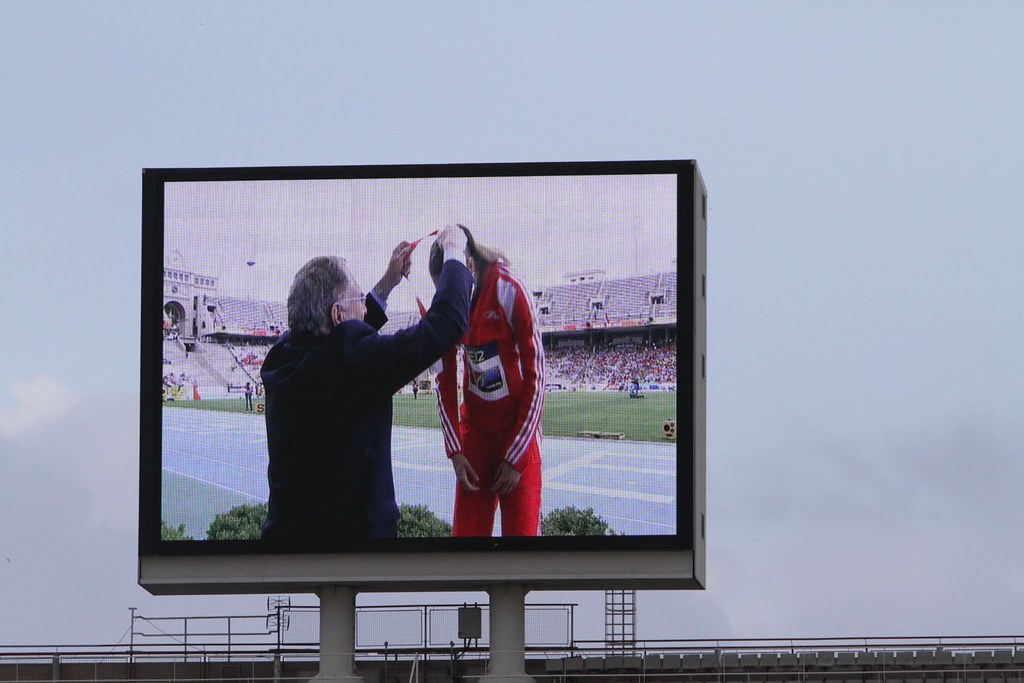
x=570, y=521
x=417, y=521
x=240, y=523
x=173, y=533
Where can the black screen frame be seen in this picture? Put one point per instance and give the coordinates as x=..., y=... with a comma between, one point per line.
x=153, y=183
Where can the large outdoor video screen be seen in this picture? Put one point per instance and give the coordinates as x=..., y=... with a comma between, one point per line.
x=322, y=377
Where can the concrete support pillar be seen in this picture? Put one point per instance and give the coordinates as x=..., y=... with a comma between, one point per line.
x=508, y=635
x=337, y=635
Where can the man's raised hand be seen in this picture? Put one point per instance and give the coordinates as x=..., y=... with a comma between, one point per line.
x=453, y=241
x=398, y=267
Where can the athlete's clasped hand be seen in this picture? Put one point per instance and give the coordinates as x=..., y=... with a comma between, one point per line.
x=506, y=480
x=465, y=473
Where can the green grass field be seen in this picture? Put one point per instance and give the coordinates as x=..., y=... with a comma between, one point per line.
x=565, y=413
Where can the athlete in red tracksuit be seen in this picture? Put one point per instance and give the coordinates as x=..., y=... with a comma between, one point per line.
x=498, y=428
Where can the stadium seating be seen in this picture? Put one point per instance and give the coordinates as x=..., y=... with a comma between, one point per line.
x=621, y=299
x=246, y=358
x=240, y=313
x=211, y=367
x=568, y=306
x=188, y=370
x=278, y=314
x=611, y=367
x=629, y=298
x=236, y=315
x=400, y=321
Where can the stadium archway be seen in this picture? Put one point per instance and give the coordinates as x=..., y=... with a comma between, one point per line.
x=174, y=312
x=177, y=320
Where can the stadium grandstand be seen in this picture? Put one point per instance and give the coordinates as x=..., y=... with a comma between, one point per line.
x=600, y=334
x=403, y=643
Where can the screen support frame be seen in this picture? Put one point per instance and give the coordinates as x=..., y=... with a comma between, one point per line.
x=167, y=567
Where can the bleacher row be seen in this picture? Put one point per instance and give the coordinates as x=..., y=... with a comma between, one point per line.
x=620, y=299
x=214, y=368
x=245, y=314
x=400, y=321
x=569, y=304
x=851, y=666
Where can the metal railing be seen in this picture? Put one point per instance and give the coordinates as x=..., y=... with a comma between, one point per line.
x=292, y=631
x=411, y=640
x=217, y=649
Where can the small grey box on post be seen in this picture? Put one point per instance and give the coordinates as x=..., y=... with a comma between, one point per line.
x=470, y=623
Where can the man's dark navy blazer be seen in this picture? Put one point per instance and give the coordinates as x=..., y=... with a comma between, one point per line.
x=329, y=418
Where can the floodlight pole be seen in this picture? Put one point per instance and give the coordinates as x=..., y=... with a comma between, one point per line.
x=337, y=635
x=508, y=634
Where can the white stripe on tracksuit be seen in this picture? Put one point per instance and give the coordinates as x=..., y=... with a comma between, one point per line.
x=451, y=437
x=507, y=294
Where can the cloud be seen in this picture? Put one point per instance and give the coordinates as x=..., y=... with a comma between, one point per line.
x=38, y=401
x=86, y=446
x=68, y=529
x=908, y=533
x=899, y=534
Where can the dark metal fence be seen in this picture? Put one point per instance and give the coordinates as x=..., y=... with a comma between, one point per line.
x=283, y=645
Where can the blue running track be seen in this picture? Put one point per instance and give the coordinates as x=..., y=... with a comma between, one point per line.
x=213, y=461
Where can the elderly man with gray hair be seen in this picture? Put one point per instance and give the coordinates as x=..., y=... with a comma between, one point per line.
x=329, y=381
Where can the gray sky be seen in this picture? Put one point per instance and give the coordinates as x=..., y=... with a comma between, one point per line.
x=863, y=167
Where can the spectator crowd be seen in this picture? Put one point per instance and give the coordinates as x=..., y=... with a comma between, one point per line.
x=612, y=367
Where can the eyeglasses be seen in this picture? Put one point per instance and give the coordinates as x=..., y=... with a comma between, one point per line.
x=361, y=299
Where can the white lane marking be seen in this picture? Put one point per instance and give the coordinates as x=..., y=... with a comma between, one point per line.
x=611, y=493
x=669, y=459
x=582, y=461
x=421, y=467
x=636, y=470
x=216, y=485
x=228, y=463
